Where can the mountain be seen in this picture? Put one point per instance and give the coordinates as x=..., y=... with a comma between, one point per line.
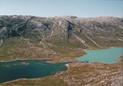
x=30, y=36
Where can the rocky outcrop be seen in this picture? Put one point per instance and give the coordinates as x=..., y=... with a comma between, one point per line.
x=93, y=74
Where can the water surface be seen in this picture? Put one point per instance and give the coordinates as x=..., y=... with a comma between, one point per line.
x=109, y=56
x=28, y=69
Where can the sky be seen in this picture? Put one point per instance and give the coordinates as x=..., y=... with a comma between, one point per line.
x=48, y=8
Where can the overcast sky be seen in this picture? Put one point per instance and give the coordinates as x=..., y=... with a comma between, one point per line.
x=81, y=8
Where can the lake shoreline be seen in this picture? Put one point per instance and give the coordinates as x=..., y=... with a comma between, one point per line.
x=55, y=60
x=47, y=60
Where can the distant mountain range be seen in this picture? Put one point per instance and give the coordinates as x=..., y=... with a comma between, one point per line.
x=57, y=38
x=84, y=32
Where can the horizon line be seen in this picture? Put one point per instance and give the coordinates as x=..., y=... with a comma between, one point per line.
x=60, y=16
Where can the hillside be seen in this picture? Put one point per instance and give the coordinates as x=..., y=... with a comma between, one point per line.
x=30, y=36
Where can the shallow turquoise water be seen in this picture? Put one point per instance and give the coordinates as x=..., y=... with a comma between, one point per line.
x=28, y=69
x=109, y=56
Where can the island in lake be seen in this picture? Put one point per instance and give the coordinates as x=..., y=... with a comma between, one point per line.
x=61, y=51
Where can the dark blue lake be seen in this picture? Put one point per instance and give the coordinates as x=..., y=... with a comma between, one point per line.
x=28, y=69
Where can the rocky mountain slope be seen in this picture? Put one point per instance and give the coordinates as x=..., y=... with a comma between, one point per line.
x=88, y=31
x=57, y=35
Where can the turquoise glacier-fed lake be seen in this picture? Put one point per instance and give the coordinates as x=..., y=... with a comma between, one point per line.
x=109, y=56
